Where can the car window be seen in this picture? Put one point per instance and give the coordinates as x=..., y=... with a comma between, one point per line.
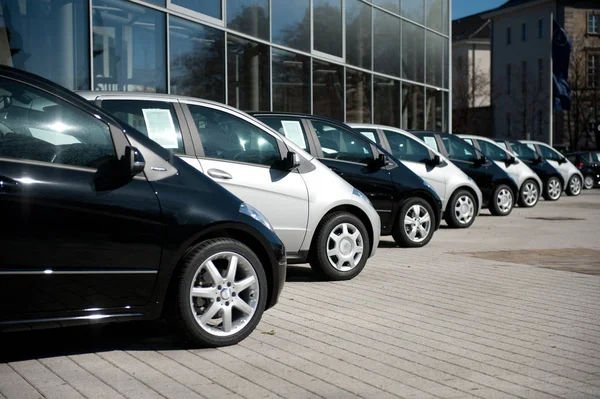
x=406, y=148
x=226, y=136
x=340, y=144
x=468, y=141
x=531, y=146
x=291, y=128
x=371, y=134
x=492, y=151
x=595, y=156
x=458, y=149
x=37, y=126
x=156, y=119
x=549, y=153
x=430, y=141
x=524, y=151
x=502, y=144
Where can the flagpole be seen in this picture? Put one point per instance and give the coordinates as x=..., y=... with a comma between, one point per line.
x=551, y=91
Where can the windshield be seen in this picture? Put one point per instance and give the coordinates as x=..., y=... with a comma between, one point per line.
x=523, y=151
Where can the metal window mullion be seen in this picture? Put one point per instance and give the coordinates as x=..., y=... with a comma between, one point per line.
x=311, y=93
x=344, y=93
x=91, y=42
x=226, y=68
x=270, y=77
x=344, y=30
x=167, y=50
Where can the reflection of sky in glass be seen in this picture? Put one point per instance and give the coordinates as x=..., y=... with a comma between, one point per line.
x=212, y=8
x=286, y=23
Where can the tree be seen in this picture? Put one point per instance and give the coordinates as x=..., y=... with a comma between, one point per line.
x=470, y=94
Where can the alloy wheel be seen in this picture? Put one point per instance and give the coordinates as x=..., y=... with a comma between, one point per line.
x=417, y=223
x=575, y=185
x=530, y=193
x=345, y=247
x=554, y=189
x=464, y=209
x=224, y=293
x=588, y=182
x=504, y=200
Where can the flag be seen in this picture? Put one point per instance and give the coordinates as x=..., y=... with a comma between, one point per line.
x=561, y=52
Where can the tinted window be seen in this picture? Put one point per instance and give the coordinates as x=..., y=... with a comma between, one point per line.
x=249, y=16
x=549, y=153
x=458, y=149
x=405, y=148
x=291, y=82
x=595, y=156
x=248, y=74
x=228, y=137
x=430, y=141
x=327, y=16
x=503, y=145
x=492, y=151
x=371, y=134
x=358, y=33
x=49, y=38
x=212, y=8
x=129, y=47
x=156, y=119
x=340, y=144
x=291, y=128
x=468, y=141
x=36, y=126
x=197, y=57
x=290, y=23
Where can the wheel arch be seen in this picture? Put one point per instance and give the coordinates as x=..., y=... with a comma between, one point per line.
x=471, y=191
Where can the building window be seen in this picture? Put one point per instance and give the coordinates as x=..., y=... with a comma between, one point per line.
x=523, y=32
x=524, y=76
x=358, y=34
x=508, y=125
x=358, y=96
x=386, y=48
x=508, y=36
x=592, y=70
x=593, y=20
x=290, y=23
x=291, y=82
x=540, y=118
x=386, y=93
x=540, y=72
x=327, y=27
x=328, y=89
x=248, y=16
x=247, y=74
x=508, y=78
x=540, y=28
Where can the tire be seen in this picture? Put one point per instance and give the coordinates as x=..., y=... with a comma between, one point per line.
x=407, y=220
x=553, y=189
x=529, y=194
x=588, y=182
x=574, y=186
x=341, y=247
x=461, y=210
x=502, y=201
x=243, y=295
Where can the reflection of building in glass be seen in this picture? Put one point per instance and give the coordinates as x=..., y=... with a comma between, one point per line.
x=382, y=61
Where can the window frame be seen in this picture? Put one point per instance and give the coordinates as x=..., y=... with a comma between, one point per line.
x=326, y=56
x=199, y=147
x=592, y=77
x=116, y=134
x=198, y=15
x=592, y=16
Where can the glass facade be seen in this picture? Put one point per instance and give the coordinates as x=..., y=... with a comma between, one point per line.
x=379, y=61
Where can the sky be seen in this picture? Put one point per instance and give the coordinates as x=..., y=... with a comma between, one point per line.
x=463, y=8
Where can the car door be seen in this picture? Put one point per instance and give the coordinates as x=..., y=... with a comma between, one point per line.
x=242, y=156
x=351, y=157
x=417, y=158
x=75, y=239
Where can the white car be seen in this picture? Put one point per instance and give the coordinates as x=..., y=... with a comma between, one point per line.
x=530, y=185
x=319, y=216
x=461, y=197
x=571, y=175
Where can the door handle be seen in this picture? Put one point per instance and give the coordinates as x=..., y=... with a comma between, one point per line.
x=8, y=185
x=219, y=174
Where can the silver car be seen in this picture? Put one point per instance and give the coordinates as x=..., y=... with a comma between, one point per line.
x=461, y=198
x=530, y=185
x=571, y=175
x=319, y=216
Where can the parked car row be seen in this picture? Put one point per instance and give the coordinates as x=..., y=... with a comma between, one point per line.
x=125, y=206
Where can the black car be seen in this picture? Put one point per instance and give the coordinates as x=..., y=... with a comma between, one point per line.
x=99, y=223
x=588, y=163
x=551, y=178
x=498, y=189
x=409, y=208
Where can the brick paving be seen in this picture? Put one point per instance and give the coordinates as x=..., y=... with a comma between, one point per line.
x=436, y=322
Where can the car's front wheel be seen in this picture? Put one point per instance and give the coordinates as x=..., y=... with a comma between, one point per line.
x=341, y=247
x=461, y=210
x=502, y=201
x=553, y=189
x=415, y=224
x=588, y=182
x=221, y=293
x=574, y=187
x=529, y=195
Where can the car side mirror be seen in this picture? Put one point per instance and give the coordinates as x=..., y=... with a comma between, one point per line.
x=511, y=160
x=435, y=161
x=482, y=159
x=134, y=161
x=290, y=161
x=562, y=160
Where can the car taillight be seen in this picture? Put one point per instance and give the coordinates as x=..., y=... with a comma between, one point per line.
x=580, y=165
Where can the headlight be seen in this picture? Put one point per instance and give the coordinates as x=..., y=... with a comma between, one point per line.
x=256, y=215
x=360, y=194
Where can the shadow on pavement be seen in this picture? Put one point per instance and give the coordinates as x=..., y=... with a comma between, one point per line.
x=27, y=345
x=304, y=274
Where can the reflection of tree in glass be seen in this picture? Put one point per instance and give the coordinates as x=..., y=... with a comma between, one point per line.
x=296, y=35
x=358, y=33
x=250, y=17
x=328, y=29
